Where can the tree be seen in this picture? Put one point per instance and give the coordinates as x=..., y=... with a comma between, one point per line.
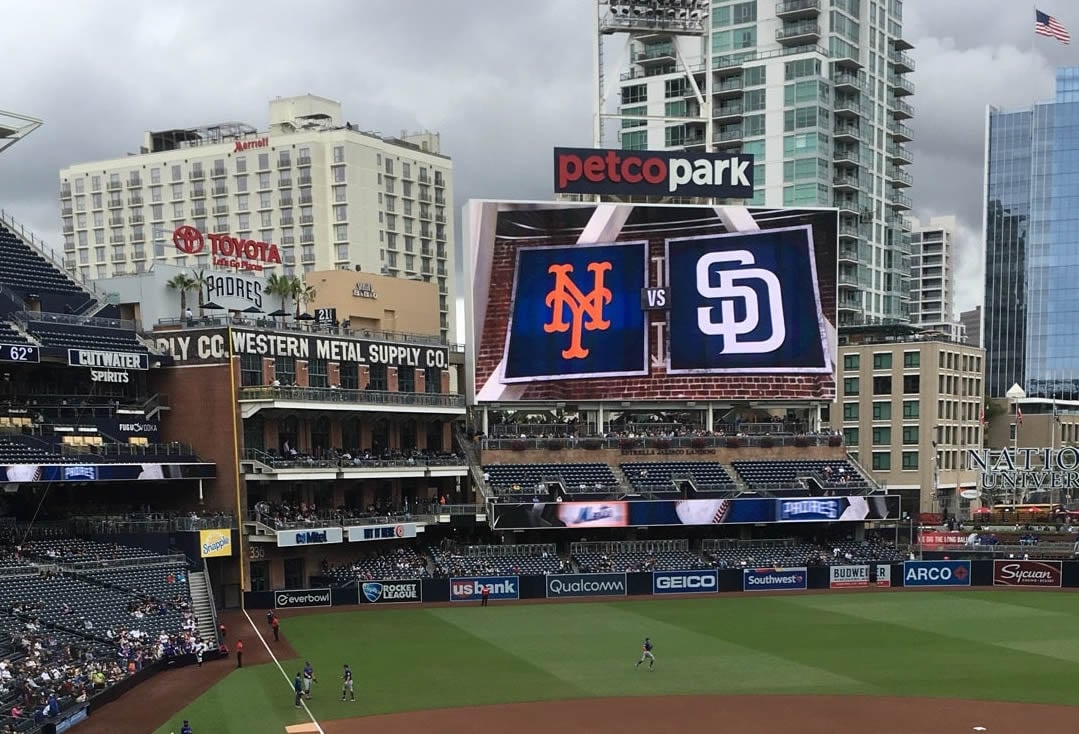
x=280, y=285
x=302, y=293
x=201, y=280
x=183, y=283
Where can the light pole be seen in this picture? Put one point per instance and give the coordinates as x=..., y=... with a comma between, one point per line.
x=1016, y=394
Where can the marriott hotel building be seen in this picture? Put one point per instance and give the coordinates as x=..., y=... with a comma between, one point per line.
x=327, y=194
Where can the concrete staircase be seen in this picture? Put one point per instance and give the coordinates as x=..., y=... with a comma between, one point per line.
x=202, y=605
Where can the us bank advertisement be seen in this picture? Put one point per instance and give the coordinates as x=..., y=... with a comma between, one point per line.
x=575, y=301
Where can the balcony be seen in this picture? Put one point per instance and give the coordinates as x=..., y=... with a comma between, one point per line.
x=900, y=132
x=849, y=63
x=730, y=111
x=728, y=88
x=903, y=63
x=218, y=173
x=198, y=212
x=440, y=218
x=849, y=107
x=655, y=57
x=899, y=155
x=797, y=9
x=284, y=183
x=847, y=82
x=846, y=183
x=69, y=229
x=198, y=193
x=851, y=302
x=846, y=205
x=119, y=257
x=307, y=219
x=899, y=202
x=900, y=110
x=115, y=186
x=287, y=221
x=134, y=200
x=847, y=156
x=134, y=183
x=66, y=211
x=898, y=222
x=306, y=199
x=197, y=175
x=116, y=203
x=135, y=219
x=303, y=160
x=798, y=34
x=849, y=253
x=220, y=191
x=138, y=237
x=849, y=133
x=848, y=231
x=728, y=135
x=284, y=163
x=307, y=238
x=65, y=191
x=901, y=87
x=899, y=177
x=221, y=209
x=304, y=180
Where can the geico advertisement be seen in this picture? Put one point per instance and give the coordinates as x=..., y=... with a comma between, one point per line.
x=684, y=582
x=575, y=295
x=560, y=586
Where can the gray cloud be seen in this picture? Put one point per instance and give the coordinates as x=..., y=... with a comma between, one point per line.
x=503, y=83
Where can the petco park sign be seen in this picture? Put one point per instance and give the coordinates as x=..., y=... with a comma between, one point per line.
x=226, y=251
x=653, y=173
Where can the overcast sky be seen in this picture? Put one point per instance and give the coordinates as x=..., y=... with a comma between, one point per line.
x=503, y=81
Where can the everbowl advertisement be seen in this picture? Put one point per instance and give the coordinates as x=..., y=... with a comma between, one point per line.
x=596, y=302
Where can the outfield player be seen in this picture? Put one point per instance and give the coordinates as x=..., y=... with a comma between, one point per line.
x=346, y=686
x=646, y=654
x=308, y=679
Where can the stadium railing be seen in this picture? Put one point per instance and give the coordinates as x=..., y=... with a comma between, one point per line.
x=32, y=317
x=110, y=524
x=674, y=442
x=1017, y=552
x=508, y=551
x=715, y=544
x=630, y=546
x=340, y=395
x=278, y=462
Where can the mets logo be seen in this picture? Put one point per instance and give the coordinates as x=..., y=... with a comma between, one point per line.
x=188, y=239
x=585, y=310
x=372, y=591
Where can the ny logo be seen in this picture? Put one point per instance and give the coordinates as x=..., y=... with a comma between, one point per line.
x=727, y=292
x=566, y=296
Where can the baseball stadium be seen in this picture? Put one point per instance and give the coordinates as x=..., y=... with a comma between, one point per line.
x=626, y=503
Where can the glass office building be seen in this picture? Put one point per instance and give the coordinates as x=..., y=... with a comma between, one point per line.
x=1031, y=321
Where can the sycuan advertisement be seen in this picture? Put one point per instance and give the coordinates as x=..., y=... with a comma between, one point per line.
x=595, y=302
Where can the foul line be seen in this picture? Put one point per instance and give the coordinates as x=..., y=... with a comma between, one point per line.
x=287, y=679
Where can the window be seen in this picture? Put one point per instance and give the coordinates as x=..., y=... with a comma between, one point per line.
x=341, y=252
x=635, y=94
x=340, y=213
x=850, y=436
x=852, y=362
x=753, y=100
x=912, y=384
x=677, y=87
x=285, y=369
x=882, y=436
x=340, y=232
x=910, y=435
x=339, y=174
x=910, y=460
x=910, y=409
x=753, y=76
x=850, y=386
x=250, y=370
x=264, y=161
x=882, y=361
x=912, y=359
x=316, y=373
x=339, y=154
x=882, y=385
x=753, y=125
x=882, y=461
x=850, y=411
x=802, y=68
x=635, y=140
x=744, y=13
x=406, y=379
x=377, y=377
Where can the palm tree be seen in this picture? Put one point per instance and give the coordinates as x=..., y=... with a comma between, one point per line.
x=183, y=283
x=279, y=285
x=201, y=280
x=301, y=293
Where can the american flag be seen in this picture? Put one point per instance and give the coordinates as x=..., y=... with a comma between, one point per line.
x=1047, y=25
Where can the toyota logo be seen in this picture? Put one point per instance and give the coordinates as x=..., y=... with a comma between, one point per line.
x=188, y=240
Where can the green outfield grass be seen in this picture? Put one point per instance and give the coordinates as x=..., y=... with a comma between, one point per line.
x=1005, y=645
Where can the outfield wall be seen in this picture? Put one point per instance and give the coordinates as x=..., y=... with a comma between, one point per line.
x=939, y=574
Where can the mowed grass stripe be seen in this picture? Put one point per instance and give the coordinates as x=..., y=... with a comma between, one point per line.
x=969, y=644
x=594, y=647
x=408, y=659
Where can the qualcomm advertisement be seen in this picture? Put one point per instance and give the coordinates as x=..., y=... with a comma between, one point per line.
x=566, y=585
x=684, y=582
x=936, y=573
x=692, y=512
x=578, y=301
x=775, y=579
x=498, y=588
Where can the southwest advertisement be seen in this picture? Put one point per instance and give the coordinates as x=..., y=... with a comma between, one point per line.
x=575, y=301
x=936, y=573
x=511, y=516
x=105, y=472
x=775, y=579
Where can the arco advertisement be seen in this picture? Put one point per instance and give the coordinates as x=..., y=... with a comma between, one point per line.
x=936, y=573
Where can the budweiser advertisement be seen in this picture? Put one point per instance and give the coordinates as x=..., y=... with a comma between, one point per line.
x=653, y=173
x=582, y=302
x=1041, y=574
